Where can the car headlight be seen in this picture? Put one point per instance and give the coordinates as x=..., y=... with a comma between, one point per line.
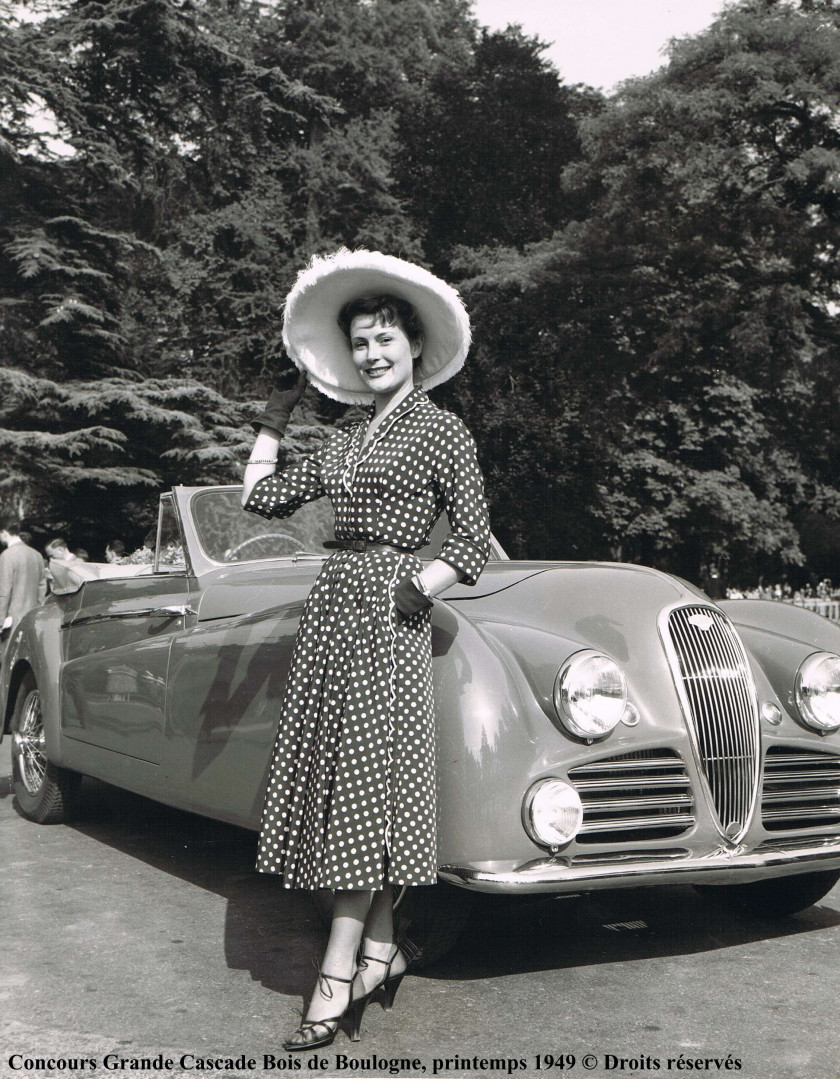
x=590, y=694
x=552, y=812
x=817, y=690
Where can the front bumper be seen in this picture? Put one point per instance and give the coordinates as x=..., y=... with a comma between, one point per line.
x=722, y=866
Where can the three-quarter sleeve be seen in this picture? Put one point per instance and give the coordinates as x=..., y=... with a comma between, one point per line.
x=280, y=494
x=467, y=547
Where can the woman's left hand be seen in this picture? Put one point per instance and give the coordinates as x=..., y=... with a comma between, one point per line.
x=408, y=599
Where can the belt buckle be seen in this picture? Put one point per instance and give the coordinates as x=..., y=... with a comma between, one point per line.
x=358, y=545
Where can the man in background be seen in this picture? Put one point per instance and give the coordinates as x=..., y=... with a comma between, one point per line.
x=714, y=585
x=57, y=548
x=23, y=582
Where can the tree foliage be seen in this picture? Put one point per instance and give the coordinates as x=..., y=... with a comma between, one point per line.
x=692, y=306
x=487, y=145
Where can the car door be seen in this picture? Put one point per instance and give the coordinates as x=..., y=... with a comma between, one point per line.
x=228, y=669
x=117, y=648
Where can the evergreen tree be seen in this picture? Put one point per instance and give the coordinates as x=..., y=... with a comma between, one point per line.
x=169, y=122
x=89, y=458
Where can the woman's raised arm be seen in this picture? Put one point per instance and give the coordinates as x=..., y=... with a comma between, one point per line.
x=270, y=426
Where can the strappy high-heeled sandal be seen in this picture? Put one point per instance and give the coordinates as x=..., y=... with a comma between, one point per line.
x=389, y=985
x=331, y=1025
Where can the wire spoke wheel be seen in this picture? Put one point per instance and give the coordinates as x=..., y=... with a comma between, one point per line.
x=45, y=792
x=28, y=743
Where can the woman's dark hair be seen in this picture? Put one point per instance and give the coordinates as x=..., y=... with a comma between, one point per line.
x=384, y=309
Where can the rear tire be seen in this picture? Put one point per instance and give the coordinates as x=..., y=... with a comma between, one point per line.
x=45, y=793
x=772, y=898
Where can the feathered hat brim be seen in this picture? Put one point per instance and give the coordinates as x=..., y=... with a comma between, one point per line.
x=316, y=343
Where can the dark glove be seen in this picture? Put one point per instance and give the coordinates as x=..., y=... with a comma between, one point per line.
x=278, y=410
x=408, y=599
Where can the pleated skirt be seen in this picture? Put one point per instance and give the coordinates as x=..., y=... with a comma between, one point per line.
x=350, y=801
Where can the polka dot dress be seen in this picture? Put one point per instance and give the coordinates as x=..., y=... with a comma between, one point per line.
x=351, y=794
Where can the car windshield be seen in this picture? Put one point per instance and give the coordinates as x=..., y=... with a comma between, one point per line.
x=228, y=534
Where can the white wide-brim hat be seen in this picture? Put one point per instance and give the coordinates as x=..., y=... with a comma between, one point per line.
x=317, y=345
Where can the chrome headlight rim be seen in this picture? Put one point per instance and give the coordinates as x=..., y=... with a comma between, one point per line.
x=540, y=790
x=564, y=706
x=806, y=679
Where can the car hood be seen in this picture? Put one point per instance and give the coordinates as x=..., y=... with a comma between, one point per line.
x=549, y=611
x=545, y=595
x=532, y=593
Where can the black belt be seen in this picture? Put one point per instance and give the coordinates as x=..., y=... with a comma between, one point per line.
x=363, y=545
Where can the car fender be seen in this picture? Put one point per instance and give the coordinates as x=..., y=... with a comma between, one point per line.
x=36, y=644
x=485, y=743
x=779, y=637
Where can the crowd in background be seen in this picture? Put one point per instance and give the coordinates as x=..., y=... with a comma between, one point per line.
x=783, y=590
x=715, y=585
x=25, y=577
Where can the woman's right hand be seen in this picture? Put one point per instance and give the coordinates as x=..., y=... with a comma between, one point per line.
x=294, y=394
x=278, y=410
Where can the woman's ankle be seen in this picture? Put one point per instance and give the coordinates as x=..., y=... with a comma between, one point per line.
x=377, y=949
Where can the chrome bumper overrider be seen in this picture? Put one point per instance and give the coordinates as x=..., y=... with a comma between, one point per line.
x=735, y=866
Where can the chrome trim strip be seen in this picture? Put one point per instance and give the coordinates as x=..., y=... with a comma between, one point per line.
x=783, y=758
x=777, y=777
x=680, y=780
x=803, y=813
x=630, y=857
x=630, y=764
x=797, y=843
x=805, y=795
x=642, y=802
x=173, y=611
x=722, y=867
x=632, y=824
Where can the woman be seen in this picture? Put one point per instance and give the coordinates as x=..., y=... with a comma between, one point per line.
x=350, y=803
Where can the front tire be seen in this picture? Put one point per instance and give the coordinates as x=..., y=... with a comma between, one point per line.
x=772, y=898
x=45, y=793
x=434, y=917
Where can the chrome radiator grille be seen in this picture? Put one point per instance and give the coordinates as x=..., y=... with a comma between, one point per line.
x=634, y=797
x=801, y=789
x=713, y=677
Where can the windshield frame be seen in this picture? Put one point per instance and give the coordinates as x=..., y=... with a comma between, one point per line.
x=203, y=560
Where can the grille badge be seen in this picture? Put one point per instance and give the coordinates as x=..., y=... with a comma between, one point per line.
x=702, y=621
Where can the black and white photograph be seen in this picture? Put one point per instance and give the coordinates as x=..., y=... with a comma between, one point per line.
x=419, y=538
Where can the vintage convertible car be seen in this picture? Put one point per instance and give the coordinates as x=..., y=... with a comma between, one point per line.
x=599, y=725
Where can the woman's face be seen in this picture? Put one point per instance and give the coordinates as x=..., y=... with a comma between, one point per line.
x=383, y=354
